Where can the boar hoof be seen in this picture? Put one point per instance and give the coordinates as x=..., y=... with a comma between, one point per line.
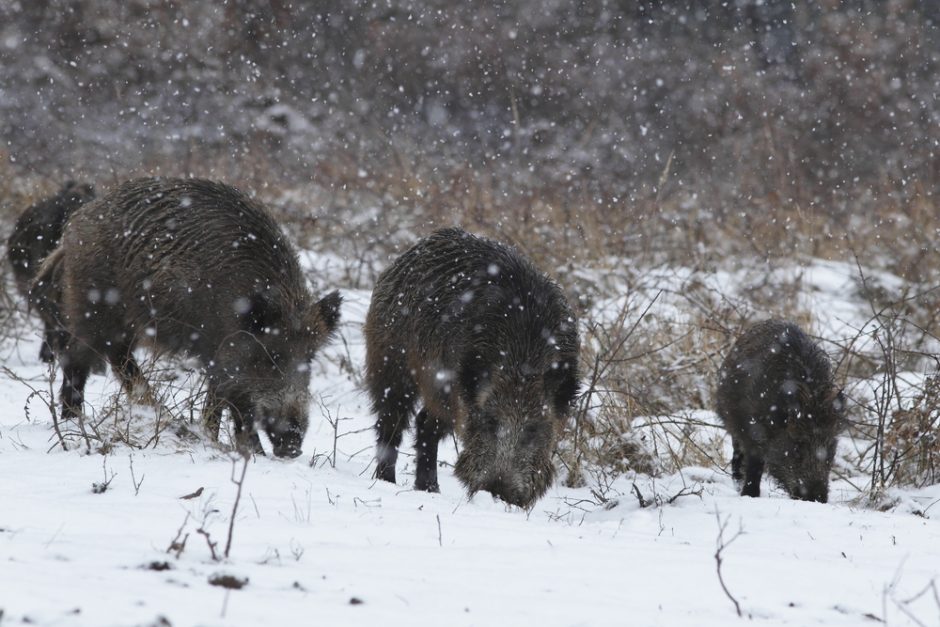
x=385, y=472
x=46, y=355
x=426, y=485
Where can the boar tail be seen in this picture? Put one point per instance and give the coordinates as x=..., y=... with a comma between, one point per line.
x=45, y=288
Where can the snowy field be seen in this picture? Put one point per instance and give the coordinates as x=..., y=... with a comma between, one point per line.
x=325, y=545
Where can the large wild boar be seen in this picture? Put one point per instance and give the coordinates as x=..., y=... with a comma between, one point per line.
x=36, y=234
x=193, y=267
x=490, y=347
x=777, y=399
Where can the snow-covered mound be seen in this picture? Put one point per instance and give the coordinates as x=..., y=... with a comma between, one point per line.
x=316, y=540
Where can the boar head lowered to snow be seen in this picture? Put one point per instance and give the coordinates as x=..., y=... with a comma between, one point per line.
x=777, y=399
x=490, y=346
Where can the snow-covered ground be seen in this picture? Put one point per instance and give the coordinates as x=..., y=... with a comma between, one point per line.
x=328, y=545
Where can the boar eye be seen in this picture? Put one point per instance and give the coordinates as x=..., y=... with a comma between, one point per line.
x=838, y=403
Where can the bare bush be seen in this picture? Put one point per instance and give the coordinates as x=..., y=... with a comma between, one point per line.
x=894, y=417
x=653, y=341
x=912, y=438
x=754, y=138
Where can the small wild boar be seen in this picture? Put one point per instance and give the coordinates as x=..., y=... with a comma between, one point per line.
x=193, y=267
x=489, y=345
x=777, y=399
x=36, y=234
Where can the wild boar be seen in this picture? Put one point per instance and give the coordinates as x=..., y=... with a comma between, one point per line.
x=777, y=399
x=489, y=345
x=36, y=234
x=191, y=267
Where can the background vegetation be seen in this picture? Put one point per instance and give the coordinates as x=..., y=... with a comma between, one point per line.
x=634, y=148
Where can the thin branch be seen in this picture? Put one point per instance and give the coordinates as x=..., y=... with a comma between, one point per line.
x=238, y=496
x=721, y=545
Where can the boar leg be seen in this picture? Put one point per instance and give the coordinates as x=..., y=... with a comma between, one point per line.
x=737, y=459
x=50, y=343
x=248, y=441
x=246, y=437
x=389, y=428
x=429, y=431
x=132, y=379
x=753, y=469
x=77, y=360
x=46, y=355
x=393, y=399
x=72, y=393
x=212, y=413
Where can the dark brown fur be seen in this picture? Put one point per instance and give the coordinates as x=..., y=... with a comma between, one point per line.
x=777, y=399
x=490, y=346
x=36, y=234
x=193, y=267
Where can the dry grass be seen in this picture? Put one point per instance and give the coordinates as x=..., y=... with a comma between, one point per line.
x=655, y=324
x=912, y=440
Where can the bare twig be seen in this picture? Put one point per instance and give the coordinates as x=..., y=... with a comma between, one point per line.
x=721, y=545
x=201, y=531
x=904, y=604
x=46, y=396
x=658, y=500
x=639, y=497
x=238, y=495
x=177, y=545
x=102, y=487
x=136, y=483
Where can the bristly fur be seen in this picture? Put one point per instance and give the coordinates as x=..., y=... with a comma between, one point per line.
x=36, y=234
x=198, y=267
x=39, y=228
x=489, y=344
x=777, y=398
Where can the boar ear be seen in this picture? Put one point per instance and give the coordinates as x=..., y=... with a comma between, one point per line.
x=329, y=307
x=324, y=318
x=564, y=379
x=561, y=381
x=257, y=313
x=474, y=378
